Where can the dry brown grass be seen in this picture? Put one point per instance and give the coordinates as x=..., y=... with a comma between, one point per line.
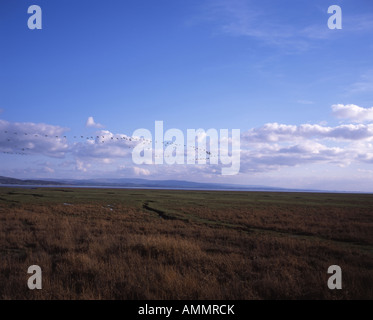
x=89, y=252
x=336, y=223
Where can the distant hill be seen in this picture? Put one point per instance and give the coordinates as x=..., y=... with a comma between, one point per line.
x=142, y=183
x=7, y=180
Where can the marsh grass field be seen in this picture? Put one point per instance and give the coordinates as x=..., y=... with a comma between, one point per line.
x=164, y=244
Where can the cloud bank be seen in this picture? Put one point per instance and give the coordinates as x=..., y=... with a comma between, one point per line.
x=33, y=138
x=263, y=149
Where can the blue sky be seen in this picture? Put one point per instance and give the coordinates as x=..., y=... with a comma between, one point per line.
x=237, y=64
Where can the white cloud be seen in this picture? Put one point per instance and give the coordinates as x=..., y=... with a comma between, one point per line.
x=353, y=112
x=271, y=156
x=92, y=124
x=107, y=161
x=307, y=102
x=274, y=132
x=49, y=170
x=363, y=85
x=106, y=145
x=275, y=145
x=245, y=18
x=33, y=138
x=316, y=32
x=141, y=172
x=82, y=166
x=359, y=23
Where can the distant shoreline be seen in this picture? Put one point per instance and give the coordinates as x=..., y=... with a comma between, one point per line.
x=180, y=188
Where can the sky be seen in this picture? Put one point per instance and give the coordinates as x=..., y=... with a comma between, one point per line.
x=301, y=94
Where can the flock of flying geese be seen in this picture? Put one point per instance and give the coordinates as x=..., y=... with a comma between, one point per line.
x=101, y=139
